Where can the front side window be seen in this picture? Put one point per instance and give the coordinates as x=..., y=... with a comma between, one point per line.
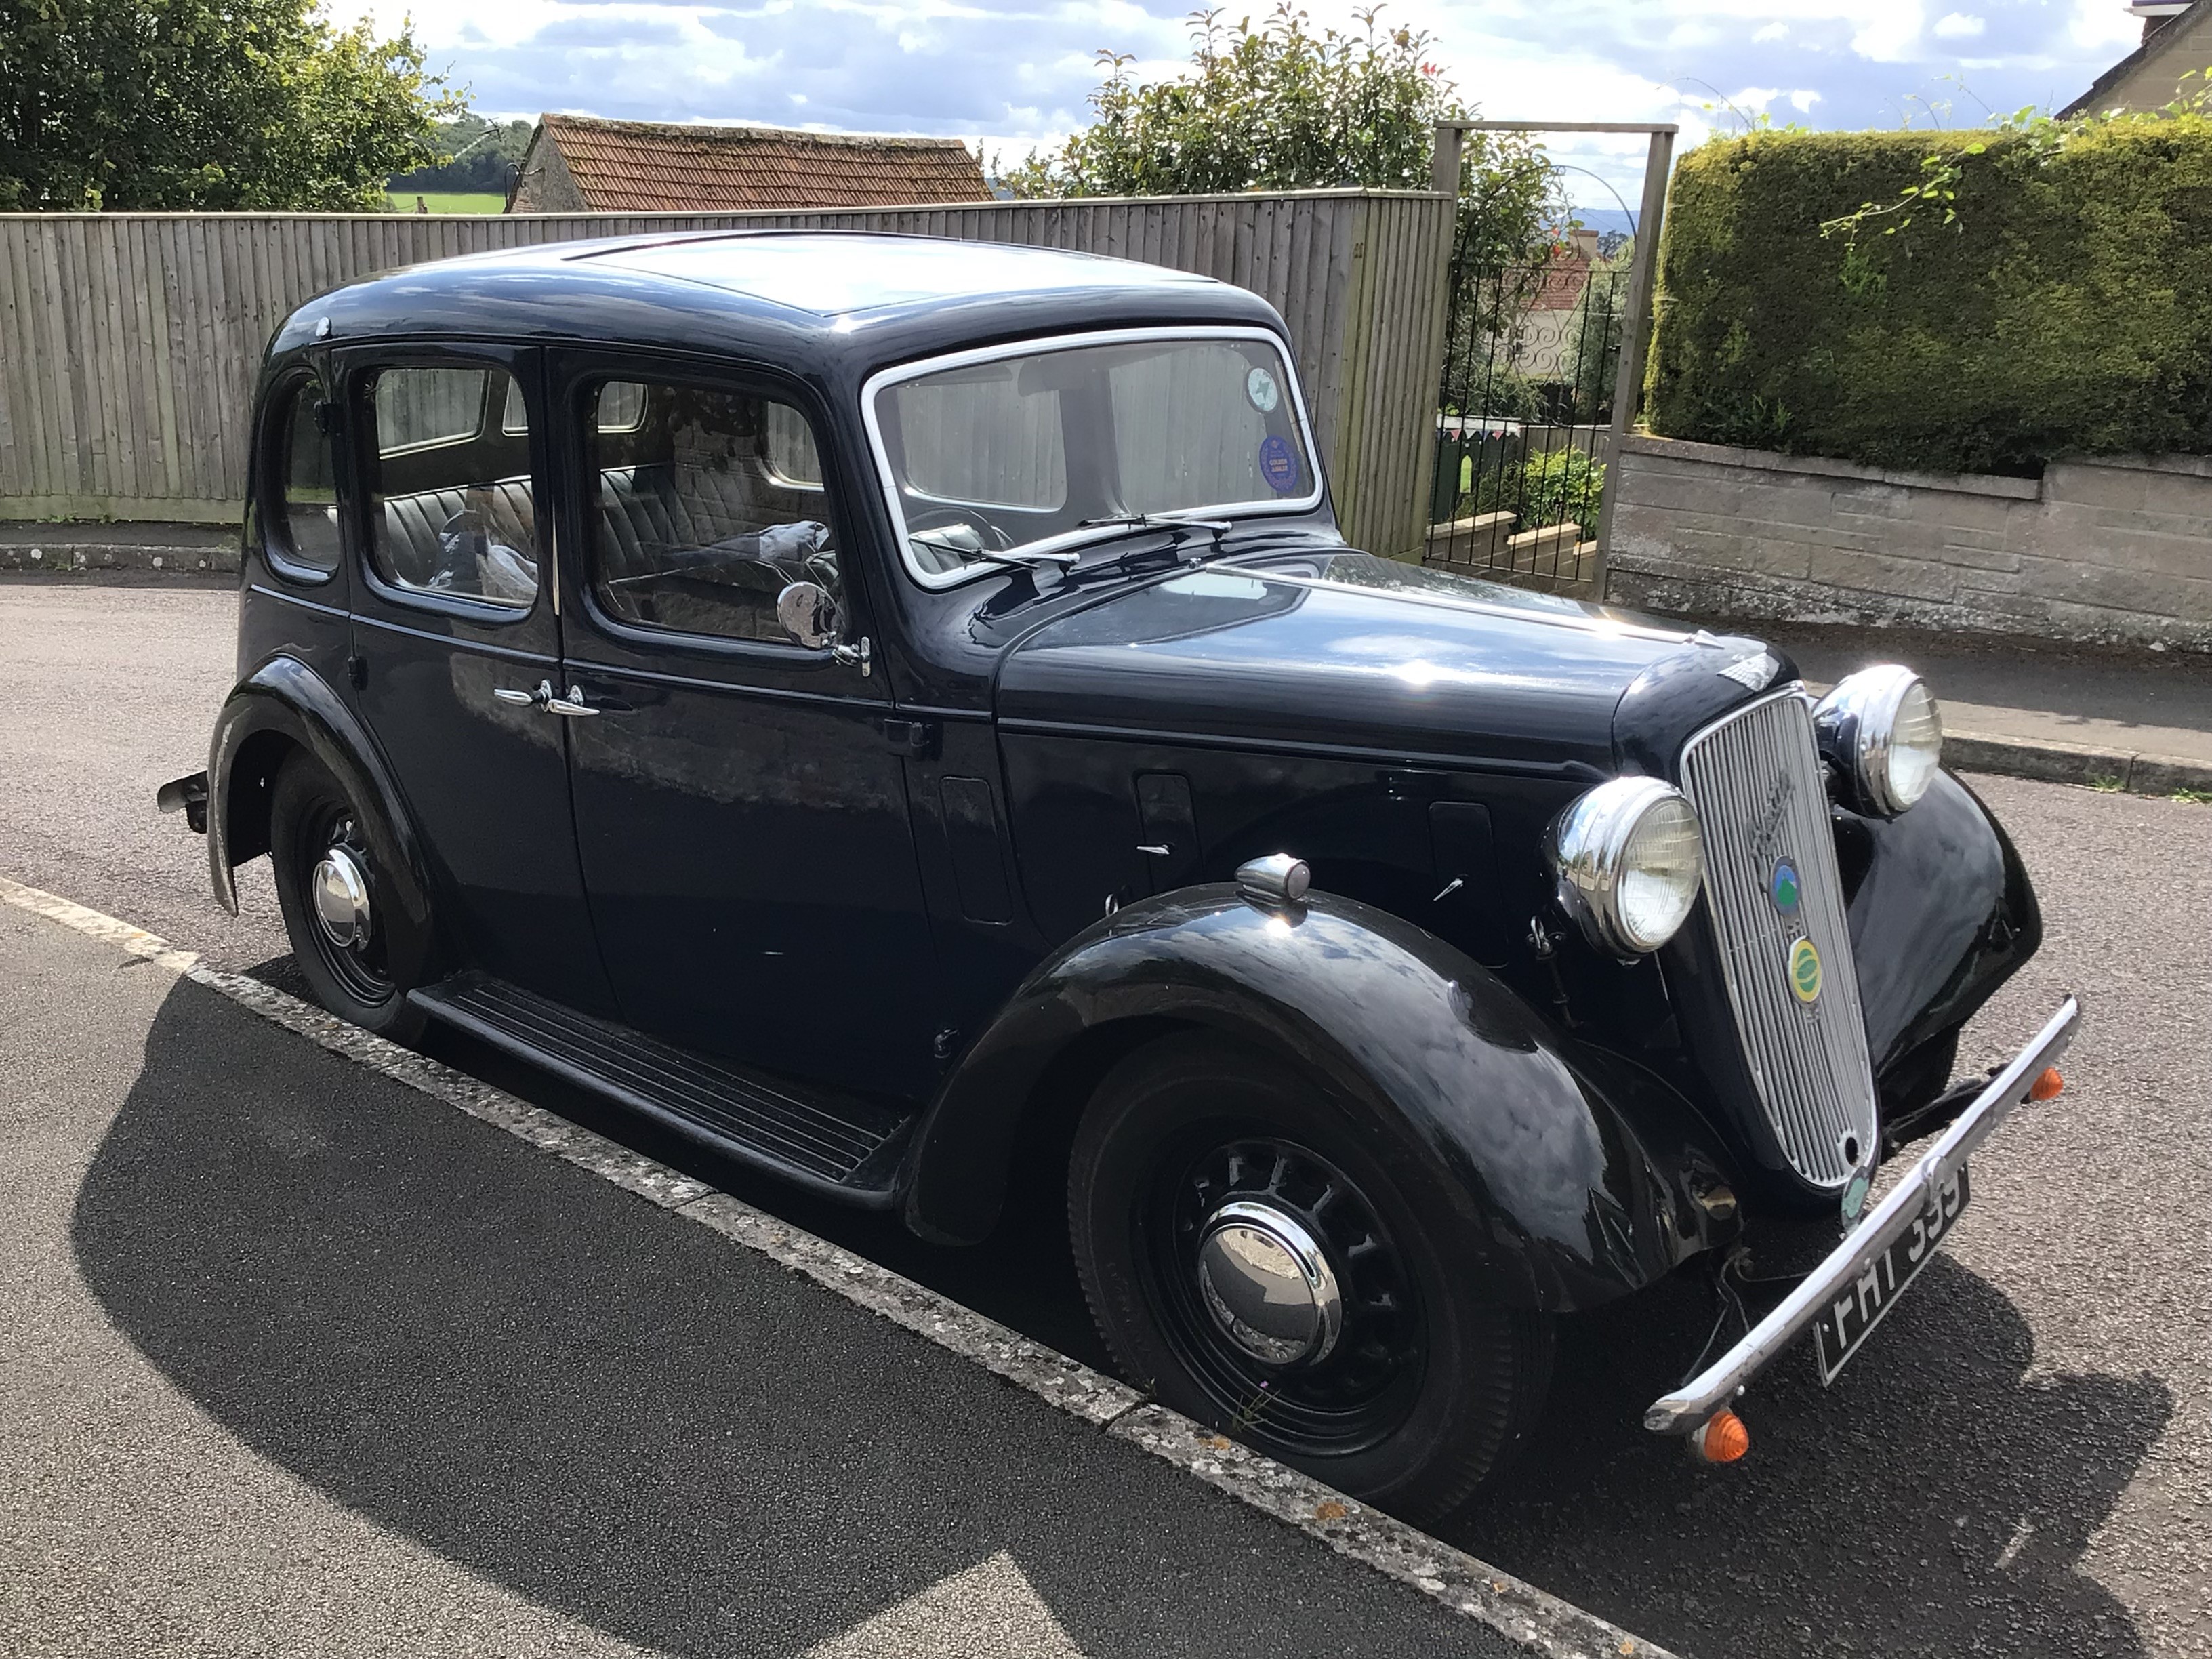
x=307, y=511
x=1035, y=447
x=452, y=505
x=710, y=504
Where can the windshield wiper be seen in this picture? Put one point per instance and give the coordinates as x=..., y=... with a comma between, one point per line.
x=973, y=548
x=1154, y=521
x=1180, y=528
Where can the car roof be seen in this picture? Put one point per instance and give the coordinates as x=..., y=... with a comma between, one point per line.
x=865, y=297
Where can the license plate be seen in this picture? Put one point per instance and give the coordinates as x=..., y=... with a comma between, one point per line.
x=1858, y=1307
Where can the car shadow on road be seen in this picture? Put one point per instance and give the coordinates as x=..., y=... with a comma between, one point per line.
x=1936, y=1501
x=613, y=1412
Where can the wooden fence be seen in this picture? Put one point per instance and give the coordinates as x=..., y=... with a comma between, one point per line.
x=129, y=343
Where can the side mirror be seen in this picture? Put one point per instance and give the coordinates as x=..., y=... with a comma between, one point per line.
x=809, y=615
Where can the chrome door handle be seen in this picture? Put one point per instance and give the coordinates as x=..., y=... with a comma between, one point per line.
x=572, y=705
x=515, y=694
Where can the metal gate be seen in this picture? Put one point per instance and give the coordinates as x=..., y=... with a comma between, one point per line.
x=1543, y=363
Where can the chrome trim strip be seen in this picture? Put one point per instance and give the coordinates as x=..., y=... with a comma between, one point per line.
x=1690, y=1405
x=887, y=481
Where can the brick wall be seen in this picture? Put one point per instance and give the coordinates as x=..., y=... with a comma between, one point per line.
x=2115, y=549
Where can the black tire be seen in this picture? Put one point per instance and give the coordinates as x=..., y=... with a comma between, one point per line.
x=309, y=813
x=1430, y=1388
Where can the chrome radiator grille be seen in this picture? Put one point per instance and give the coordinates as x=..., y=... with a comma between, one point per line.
x=1756, y=781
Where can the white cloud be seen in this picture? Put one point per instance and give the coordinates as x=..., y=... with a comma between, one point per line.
x=1017, y=71
x=2104, y=23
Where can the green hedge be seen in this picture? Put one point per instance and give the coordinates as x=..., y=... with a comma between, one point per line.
x=2068, y=312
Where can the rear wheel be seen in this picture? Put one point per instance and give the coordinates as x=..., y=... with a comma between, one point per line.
x=358, y=947
x=1294, y=1279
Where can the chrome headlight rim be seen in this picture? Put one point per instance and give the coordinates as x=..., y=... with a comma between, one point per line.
x=1590, y=844
x=1857, y=723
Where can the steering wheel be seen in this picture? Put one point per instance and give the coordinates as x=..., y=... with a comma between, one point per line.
x=953, y=518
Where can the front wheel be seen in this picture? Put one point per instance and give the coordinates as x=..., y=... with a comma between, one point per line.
x=359, y=950
x=1289, y=1277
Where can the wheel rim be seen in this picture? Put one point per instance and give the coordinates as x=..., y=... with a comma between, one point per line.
x=1332, y=1363
x=339, y=896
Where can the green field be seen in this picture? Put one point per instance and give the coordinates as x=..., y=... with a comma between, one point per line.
x=451, y=201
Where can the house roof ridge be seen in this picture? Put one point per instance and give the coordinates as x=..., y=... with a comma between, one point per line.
x=745, y=130
x=2150, y=50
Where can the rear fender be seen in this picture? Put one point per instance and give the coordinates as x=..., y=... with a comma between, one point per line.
x=282, y=706
x=1576, y=1203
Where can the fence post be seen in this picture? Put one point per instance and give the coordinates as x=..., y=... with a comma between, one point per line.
x=1635, y=339
x=1444, y=161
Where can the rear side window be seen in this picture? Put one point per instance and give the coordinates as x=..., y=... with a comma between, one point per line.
x=710, y=504
x=307, y=511
x=451, y=501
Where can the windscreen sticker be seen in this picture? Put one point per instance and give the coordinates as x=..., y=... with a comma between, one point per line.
x=1279, y=465
x=1260, y=386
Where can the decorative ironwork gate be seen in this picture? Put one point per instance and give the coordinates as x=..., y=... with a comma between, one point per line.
x=1543, y=363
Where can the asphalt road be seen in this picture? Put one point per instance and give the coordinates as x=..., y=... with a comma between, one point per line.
x=297, y=1360
x=2020, y=1463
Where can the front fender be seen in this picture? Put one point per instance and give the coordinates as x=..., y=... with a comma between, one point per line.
x=1576, y=1204
x=285, y=703
x=1941, y=914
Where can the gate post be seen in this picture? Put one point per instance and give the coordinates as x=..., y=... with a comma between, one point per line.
x=1635, y=338
x=1636, y=321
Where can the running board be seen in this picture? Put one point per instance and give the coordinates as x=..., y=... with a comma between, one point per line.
x=843, y=1147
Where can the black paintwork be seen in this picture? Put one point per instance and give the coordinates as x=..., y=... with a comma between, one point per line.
x=894, y=884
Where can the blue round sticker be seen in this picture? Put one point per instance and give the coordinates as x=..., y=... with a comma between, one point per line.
x=1279, y=465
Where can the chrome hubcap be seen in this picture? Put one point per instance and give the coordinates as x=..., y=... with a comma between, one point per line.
x=1268, y=1285
x=340, y=887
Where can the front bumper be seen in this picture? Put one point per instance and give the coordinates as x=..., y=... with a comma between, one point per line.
x=1690, y=1405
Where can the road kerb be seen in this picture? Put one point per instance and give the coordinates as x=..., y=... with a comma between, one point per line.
x=2048, y=760
x=1533, y=1619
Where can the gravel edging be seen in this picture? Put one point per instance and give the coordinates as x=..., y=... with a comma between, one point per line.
x=1537, y=1621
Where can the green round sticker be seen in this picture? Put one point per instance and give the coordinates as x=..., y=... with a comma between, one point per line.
x=1805, y=971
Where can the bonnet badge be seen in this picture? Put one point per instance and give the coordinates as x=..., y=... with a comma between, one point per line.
x=1751, y=673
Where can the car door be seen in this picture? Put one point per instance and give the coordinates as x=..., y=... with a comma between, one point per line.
x=741, y=810
x=457, y=646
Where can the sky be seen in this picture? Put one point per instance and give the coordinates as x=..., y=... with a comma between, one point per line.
x=1008, y=75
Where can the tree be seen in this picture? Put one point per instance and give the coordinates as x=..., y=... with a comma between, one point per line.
x=1281, y=107
x=139, y=105
x=484, y=156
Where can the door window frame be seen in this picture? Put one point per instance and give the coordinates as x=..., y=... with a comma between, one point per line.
x=357, y=367
x=573, y=375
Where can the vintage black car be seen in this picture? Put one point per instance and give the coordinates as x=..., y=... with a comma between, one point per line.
x=901, y=712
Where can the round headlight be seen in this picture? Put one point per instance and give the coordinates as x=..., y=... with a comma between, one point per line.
x=1630, y=861
x=1881, y=729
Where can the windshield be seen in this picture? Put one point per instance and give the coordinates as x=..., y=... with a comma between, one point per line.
x=1038, y=448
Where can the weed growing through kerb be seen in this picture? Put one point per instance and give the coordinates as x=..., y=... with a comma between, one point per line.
x=2192, y=797
x=2108, y=785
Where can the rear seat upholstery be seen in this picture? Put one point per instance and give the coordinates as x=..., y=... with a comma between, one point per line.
x=412, y=537
x=645, y=513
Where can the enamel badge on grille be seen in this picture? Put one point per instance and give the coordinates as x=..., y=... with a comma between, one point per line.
x=1783, y=888
x=1805, y=971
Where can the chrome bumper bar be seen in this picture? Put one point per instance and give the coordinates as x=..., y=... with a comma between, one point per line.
x=1689, y=1406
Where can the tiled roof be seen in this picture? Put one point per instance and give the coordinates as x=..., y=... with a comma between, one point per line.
x=654, y=166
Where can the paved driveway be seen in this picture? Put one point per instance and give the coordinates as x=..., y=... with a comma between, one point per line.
x=2020, y=1464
